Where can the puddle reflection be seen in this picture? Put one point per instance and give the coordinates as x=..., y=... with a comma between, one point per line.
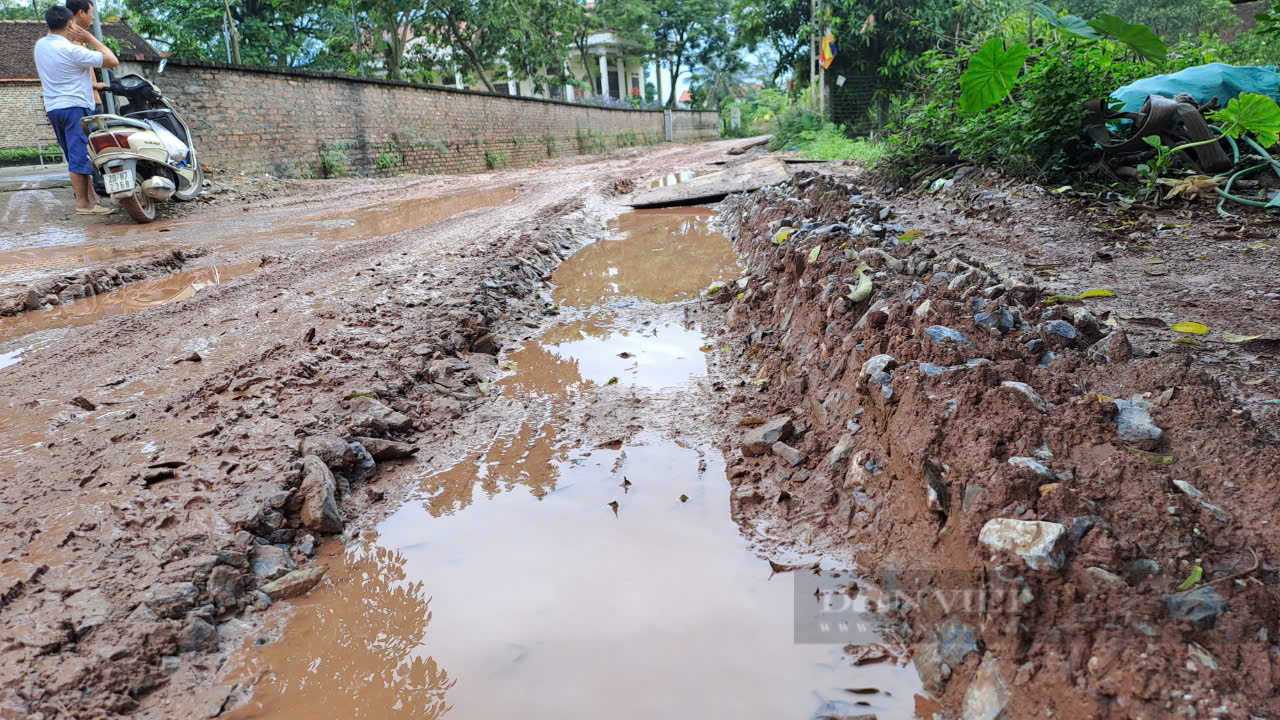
x=659, y=255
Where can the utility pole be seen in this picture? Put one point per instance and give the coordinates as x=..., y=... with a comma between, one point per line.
x=813, y=50
x=235, y=35
x=108, y=100
x=822, y=70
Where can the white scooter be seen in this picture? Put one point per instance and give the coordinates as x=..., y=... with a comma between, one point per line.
x=145, y=154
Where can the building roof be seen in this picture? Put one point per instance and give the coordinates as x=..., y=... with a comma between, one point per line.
x=18, y=38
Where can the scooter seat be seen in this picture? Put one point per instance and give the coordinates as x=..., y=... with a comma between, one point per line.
x=94, y=123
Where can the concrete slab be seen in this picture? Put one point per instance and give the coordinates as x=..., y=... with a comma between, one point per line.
x=715, y=186
x=34, y=177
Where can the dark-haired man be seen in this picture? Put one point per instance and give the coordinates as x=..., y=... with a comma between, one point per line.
x=64, y=69
x=84, y=10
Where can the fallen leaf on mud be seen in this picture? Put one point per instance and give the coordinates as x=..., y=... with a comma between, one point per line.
x=309, y=336
x=1271, y=402
x=909, y=236
x=1197, y=574
x=1090, y=293
x=1190, y=187
x=684, y=498
x=1048, y=488
x=1257, y=381
x=751, y=421
x=613, y=380
x=1156, y=261
x=1104, y=399
x=614, y=504
x=760, y=382
x=783, y=234
x=1193, y=328
x=706, y=348
x=1187, y=341
x=814, y=253
x=1234, y=338
x=861, y=291
x=1062, y=189
x=1157, y=457
x=353, y=396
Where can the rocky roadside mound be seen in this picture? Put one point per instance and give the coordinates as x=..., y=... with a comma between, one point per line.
x=1063, y=524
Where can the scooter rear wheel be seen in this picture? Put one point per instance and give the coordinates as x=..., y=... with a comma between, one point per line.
x=140, y=207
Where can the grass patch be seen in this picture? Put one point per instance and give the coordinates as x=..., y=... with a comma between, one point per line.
x=830, y=143
x=25, y=155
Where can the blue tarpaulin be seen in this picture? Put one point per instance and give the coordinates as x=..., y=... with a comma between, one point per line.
x=1203, y=82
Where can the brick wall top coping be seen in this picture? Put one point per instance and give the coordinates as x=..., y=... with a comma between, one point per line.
x=296, y=72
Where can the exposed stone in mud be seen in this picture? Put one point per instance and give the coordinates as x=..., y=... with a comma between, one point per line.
x=319, y=510
x=368, y=416
x=1200, y=607
x=334, y=452
x=1039, y=544
x=760, y=440
x=295, y=583
x=381, y=449
x=1135, y=424
x=171, y=600
x=269, y=562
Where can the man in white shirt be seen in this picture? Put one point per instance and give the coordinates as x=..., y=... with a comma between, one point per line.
x=65, y=77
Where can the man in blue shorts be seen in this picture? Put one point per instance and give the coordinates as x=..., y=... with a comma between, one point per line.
x=65, y=77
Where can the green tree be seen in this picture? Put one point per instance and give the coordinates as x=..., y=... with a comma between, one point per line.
x=272, y=32
x=1171, y=19
x=681, y=30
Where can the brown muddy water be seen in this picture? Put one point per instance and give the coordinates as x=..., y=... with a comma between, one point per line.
x=47, y=241
x=32, y=330
x=552, y=576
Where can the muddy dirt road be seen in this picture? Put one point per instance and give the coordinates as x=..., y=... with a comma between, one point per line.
x=173, y=389
x=467, y=447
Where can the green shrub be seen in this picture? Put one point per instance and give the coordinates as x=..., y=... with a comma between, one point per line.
x=549, y=141
x=29, y=154
x=333, y=161
x=495, y=158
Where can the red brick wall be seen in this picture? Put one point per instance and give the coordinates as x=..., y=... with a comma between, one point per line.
x=283, y=123
x=16, y=129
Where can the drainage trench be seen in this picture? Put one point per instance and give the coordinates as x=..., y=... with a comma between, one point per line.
x=584, y=564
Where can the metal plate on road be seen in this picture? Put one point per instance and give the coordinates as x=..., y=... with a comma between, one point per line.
x=118, y=182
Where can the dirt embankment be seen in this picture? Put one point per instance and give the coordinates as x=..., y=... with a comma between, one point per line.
x=1028, y=485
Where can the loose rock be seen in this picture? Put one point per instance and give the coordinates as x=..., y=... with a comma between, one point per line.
x=1026, y=393
x=1038, y=543
x=1201, y=606
x=295, y=583
x=792, y=456
x=319, y=505
x=759, y=440
x=1135, y=424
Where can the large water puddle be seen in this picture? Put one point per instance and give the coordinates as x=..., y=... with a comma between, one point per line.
x=28, y=331
x=553, y=576
x=37, y=240
x=659, y=255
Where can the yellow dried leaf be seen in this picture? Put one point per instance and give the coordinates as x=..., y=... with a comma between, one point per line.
x=1104, y=399
x=705, y=348
x=1234, y=338
x=782, y=235
x=1187, y=341
x=1256, y=381
x=751, y=421
x=1193, y=328
x=1096, y=292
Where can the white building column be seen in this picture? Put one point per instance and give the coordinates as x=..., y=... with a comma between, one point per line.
x=512, y=88
x=604, y=74
x=457, y=79
x=624, y=89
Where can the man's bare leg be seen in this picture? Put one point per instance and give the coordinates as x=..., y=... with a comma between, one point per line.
x=86, y=199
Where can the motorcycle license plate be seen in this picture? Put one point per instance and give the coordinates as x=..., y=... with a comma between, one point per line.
x=118, y=182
